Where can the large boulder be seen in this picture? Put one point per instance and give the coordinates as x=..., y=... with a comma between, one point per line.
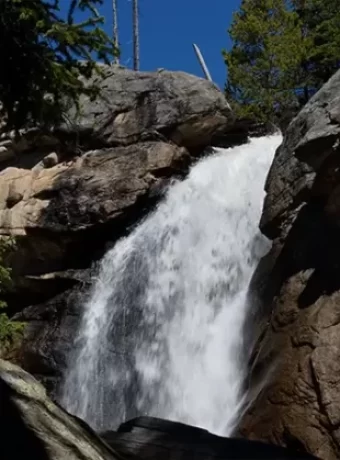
x=297, y=357
x=132, y=107
x=180, y=107
x=150, y=438
x=33, y=427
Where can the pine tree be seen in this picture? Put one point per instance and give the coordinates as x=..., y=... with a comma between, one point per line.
x=320, y=21
x=264, y=62
x=43, y=55
x=10, y=331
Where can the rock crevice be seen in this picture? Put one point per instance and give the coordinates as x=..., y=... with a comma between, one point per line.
x=301, y=286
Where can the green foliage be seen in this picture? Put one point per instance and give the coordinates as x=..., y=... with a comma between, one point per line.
x=10, y=331
x=320, y=22
x=44, y=55
x=268, y=48
x=282, y=52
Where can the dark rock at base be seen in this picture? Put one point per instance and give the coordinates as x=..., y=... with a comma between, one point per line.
x=33, y=427
x=152, y=438
x=240, y=131
x=51, y=328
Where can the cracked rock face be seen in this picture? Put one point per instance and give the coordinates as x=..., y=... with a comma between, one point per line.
x=141, y=105
x=298, y=352
x=53, y=212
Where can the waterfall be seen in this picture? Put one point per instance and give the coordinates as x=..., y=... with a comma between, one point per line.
x=162, y=331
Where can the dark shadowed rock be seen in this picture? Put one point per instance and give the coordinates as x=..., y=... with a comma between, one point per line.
x=104, y=184
x=51, y=328
x=310, y=147
x=33, y=427
x=151, y=438
x=299, y=345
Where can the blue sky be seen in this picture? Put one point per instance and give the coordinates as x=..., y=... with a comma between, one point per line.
x=169, y=27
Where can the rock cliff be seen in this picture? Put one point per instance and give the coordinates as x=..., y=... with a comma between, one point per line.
x=298, y=350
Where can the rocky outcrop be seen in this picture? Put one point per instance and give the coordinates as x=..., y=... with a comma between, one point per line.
x=298, y=351
x=32, y=426
x=176, y=106
x=53, y=210
x=83, y=183
x=132, y=107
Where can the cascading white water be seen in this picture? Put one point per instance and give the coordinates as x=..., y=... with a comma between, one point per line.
x=162, y=330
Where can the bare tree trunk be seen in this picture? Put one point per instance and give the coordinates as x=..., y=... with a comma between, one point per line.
x=115, y=28
x=135, y=35
x=202, y=62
